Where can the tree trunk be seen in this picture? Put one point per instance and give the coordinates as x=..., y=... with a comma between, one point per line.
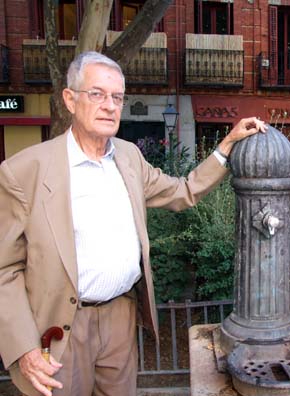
x=137, y=32
x=60, y=117
x=94, y=25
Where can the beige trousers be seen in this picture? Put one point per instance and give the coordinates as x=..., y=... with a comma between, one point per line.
x=101, y=355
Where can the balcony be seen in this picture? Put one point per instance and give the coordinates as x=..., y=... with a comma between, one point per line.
x=35, y=62
x=4, y=66
x=274, y=71
x=149, y=65
x=214, y=61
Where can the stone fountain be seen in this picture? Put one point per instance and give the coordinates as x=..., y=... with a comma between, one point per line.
x=256, y=335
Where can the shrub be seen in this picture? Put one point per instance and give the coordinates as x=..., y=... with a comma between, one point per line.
x=193, y=249
x=213, y=240
x=169, y=255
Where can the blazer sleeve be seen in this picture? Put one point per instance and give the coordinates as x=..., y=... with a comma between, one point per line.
x=177, y=194
x=18, y=331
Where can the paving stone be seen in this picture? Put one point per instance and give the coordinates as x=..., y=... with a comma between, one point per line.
x=204, y=376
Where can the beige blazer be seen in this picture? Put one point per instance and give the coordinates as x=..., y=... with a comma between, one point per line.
x=38, y=268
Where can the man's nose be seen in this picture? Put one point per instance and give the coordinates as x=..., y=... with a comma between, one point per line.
x=109, y=102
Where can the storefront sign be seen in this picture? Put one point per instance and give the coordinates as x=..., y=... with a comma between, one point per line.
x=11, y=104
x=217, y=111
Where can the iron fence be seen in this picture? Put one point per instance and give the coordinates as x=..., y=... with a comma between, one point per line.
x=181, y=316
x=148, y=66
x=35, y=63
x=214, y=67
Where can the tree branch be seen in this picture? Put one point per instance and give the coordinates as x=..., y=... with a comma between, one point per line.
x=138, y=31
x=94, y=26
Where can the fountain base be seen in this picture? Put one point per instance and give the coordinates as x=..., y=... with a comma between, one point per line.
x=260, y=369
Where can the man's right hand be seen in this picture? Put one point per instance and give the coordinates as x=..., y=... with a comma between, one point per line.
x=39, y=372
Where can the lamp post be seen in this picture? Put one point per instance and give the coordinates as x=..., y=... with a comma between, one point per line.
x=170, y=116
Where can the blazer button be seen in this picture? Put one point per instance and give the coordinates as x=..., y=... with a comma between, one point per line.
x=73, y=300
x=66, y=327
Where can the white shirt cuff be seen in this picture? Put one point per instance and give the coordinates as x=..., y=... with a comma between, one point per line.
x=220, y=158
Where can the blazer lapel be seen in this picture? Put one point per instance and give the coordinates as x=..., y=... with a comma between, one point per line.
x=129, y=176
x=57, y=205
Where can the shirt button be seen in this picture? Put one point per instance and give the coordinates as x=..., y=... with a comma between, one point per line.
x=66, y=327
x=73, y=300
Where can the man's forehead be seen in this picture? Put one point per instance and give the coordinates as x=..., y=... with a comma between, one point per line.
x=95, y=72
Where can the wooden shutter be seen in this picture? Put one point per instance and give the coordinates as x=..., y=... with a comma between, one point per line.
x=199, y=15
x=273, y=44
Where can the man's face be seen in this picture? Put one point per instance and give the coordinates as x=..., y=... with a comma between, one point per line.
x=97, y=119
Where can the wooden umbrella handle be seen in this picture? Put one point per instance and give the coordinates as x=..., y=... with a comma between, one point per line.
x=52, y=332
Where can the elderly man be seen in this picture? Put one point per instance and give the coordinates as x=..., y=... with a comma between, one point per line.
x=74, y=245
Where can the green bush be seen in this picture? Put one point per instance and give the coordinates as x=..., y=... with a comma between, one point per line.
x=169, y=256
x=192, y=251
x=213, y=240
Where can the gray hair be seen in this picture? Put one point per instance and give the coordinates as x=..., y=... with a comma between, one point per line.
x=76, y=68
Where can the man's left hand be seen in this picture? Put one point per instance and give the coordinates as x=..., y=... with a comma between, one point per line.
x=245, y=127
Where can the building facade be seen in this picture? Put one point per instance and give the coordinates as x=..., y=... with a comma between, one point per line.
x=215, y=61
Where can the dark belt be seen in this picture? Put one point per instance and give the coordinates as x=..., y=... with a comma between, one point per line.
x=82, y=304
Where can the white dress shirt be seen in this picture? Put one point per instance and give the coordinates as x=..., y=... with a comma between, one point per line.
x=106, y=239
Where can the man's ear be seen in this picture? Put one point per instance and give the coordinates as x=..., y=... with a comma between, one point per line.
x=69, y=100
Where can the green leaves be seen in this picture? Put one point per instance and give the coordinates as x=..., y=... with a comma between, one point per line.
x=192, y=251
x=213, y=237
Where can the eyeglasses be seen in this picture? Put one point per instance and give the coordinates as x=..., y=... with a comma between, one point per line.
x=98, y=97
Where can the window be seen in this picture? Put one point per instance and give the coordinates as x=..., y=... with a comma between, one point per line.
x=208, y=135
x=67, y=12
x=283, y=45
x=123, y=12
x=129, y=12
x=134, y=130
x=66, y=19
x=212, y=17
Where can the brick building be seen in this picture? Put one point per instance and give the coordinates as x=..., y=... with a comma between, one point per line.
x=216, y=61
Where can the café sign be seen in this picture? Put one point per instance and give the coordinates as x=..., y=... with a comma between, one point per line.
x=11, y=104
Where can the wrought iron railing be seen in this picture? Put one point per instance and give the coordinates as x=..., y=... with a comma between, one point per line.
x=214, y=67
x=149, y=66
x=35, y=64
x=4, y=65
x=189, y=313
x=274, y=70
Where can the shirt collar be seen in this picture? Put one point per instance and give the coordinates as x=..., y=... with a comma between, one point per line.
x=77, y=156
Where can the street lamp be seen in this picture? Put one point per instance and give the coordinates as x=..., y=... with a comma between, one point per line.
x=170, y=116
